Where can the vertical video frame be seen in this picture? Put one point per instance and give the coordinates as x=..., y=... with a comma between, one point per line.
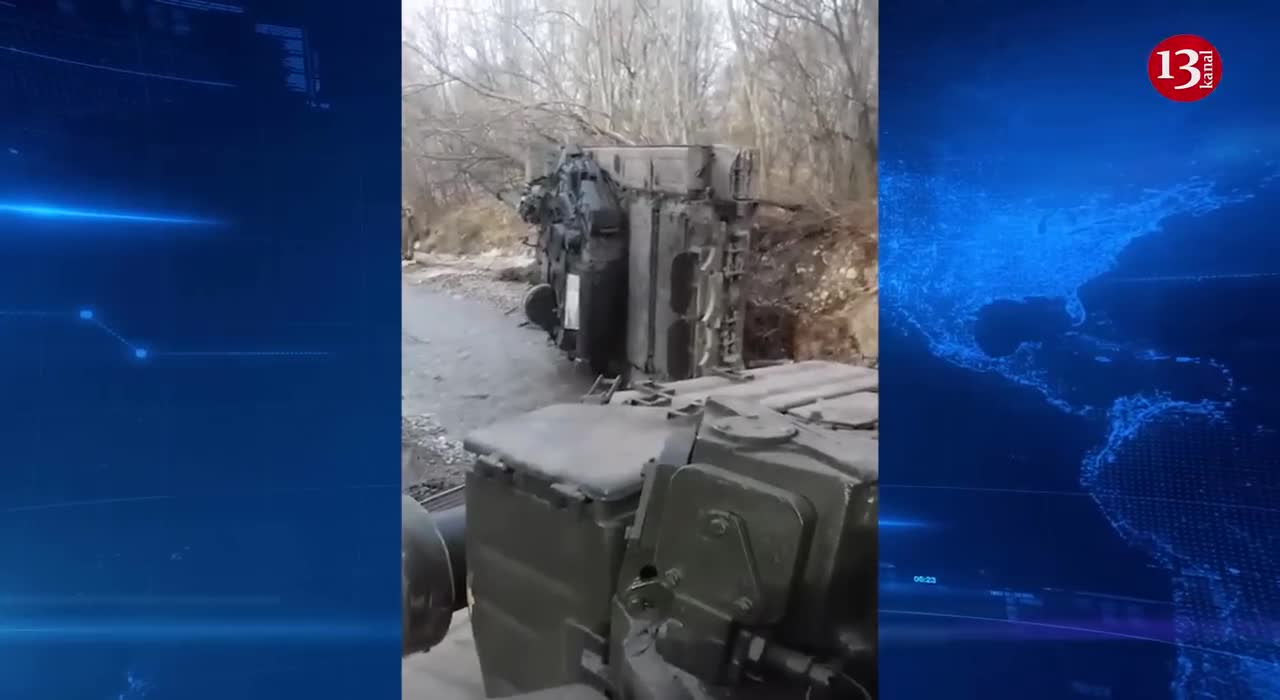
x=639, y=349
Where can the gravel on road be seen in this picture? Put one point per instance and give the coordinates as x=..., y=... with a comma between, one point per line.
x=467, y=361
x=431, y=461
x=495, y=279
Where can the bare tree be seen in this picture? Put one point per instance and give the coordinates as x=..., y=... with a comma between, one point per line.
x=796, y=79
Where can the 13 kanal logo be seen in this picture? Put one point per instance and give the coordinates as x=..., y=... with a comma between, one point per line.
x=1184, y=68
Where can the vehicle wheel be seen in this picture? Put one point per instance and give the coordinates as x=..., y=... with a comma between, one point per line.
x=540, y=306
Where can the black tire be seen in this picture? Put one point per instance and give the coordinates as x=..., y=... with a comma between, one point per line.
x=540, y=307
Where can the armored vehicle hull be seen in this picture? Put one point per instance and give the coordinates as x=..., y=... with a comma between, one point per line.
x=642, y=251
x=706, y=538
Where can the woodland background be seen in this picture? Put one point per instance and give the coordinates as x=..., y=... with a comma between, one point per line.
x=794, y=79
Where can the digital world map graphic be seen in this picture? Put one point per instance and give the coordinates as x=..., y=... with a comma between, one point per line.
x=1177, y=466
x=1079, y=284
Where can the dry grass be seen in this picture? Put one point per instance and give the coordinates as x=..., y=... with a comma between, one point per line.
x=480, y=225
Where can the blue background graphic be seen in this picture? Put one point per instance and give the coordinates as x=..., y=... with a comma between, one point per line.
x=199, y=358
x=1081, y=285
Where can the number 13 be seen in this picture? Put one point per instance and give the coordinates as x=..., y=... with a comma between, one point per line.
x=1192, y=56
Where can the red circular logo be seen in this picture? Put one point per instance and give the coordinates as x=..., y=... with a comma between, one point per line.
x=1184, y=68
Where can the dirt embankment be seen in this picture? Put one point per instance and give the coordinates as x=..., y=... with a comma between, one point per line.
x=814, y=289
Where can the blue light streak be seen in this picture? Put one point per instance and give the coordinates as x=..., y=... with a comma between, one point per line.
x=210, y=629
x=43, y=211
x=899, y=523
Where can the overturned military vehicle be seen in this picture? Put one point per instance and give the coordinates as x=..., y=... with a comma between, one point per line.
x=712, y=538
x=641, y=252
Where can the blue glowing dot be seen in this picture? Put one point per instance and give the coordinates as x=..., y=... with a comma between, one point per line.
x=140, y=353
x=86, y=314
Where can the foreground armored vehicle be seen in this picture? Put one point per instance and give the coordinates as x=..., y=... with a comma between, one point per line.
x=641, y=253
x=707, y=538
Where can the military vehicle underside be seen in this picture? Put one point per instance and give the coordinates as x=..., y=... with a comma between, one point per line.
x=641, y=252
x=707, y=538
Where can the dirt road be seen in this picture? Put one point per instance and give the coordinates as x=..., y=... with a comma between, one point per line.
x=466, y=361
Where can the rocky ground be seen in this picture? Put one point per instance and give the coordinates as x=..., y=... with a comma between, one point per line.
x=467, y=360
x=496, y=278
x=436, y=460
